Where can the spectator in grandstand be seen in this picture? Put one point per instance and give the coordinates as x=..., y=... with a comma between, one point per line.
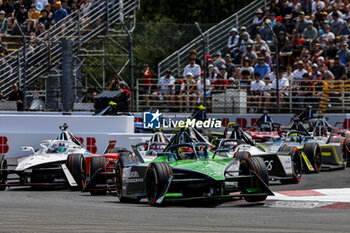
x=17, y=95
x=200, y=90
x=331, y=50
x=260, y=43
x=74, y=6
x=279, y=26
x=91, y=98
x=39, y=34
x=301, y=23
x=223, y=71
x=164, y=88
x=283, y=85
x=246, y=66
x=33, y=17
x=256, y=92
x=244, y=42
x=338, y=69
x=219, y=61
x=177, y=96
x=245, y=77
x=50, y=10
x=257, y=21
x=305, y=90
x=285, y=8
x=268, y=58
x=65, y=6
x=211, y=73
x=310, y=33
x=7, y=7
x=114, y=85
x=285, y=55
x=317, y=3
x=190, y=89
x=289, y=74
x=44, y=19
x=60, y=13
x=326, y=74
x=344, y=54
x=337, y=24
x=346, y=15
x=314, y=70
x=262, y=67
x=220, y=84
x=232, y=83
x=192, y=68
x=318, y=16
x=193, y=54
x=289, y=25
x=21, y=18
x=318, y=87
x=335, y=11
x=230, y=67
x=274, y=8
x=299, y=72
x=3, y=24
x=233, y=40
x=250, y=54
x=265, y=30
x=328, y=34
x=296, y=6
x=273, y=73
x=85, y=6
x=147, y=82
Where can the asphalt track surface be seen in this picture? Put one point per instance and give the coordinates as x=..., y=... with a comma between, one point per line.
x=30, y=210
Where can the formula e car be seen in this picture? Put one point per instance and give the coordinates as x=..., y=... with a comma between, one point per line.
x=100, y=169
x=264, y=129
x=150, y=148
x=189, y=172
x=58, y=162
x=284, y=164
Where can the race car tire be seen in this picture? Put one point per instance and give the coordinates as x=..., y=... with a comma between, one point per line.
x=3, y=175
x=76, y=166
x=156, y=179
x=345, y=155
x=258, y=166
x=119, y=185
x=347, y=147
x=97, y=163
x=241, y=155
x=297, y=168
x=313, y=152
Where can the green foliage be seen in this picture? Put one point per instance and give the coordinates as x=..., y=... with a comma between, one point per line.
x=163, y=27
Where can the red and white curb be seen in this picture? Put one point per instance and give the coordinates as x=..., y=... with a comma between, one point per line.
x=316, y=198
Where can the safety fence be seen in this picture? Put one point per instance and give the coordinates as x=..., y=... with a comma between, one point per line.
x=42, y=54
x=324, y=96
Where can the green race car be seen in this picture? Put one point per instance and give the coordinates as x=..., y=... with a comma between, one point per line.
x=189, y=172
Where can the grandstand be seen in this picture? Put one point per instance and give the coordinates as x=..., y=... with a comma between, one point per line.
x=43, y=48
x=312, y=35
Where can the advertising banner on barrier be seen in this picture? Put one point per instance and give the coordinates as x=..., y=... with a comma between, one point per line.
x=247, y=120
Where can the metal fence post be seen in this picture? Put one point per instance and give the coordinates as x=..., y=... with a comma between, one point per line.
x=137, y=95
x=19, y=68
x=178, y=63
x=24, y=67
x=107, y=16
x=79, y=33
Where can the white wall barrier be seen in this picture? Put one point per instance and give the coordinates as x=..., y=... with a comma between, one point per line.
x=95, y=131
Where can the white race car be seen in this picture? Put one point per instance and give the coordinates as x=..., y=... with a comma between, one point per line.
x=57, y=162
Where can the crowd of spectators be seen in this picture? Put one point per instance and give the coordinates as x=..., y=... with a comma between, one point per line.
x=312, y=50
